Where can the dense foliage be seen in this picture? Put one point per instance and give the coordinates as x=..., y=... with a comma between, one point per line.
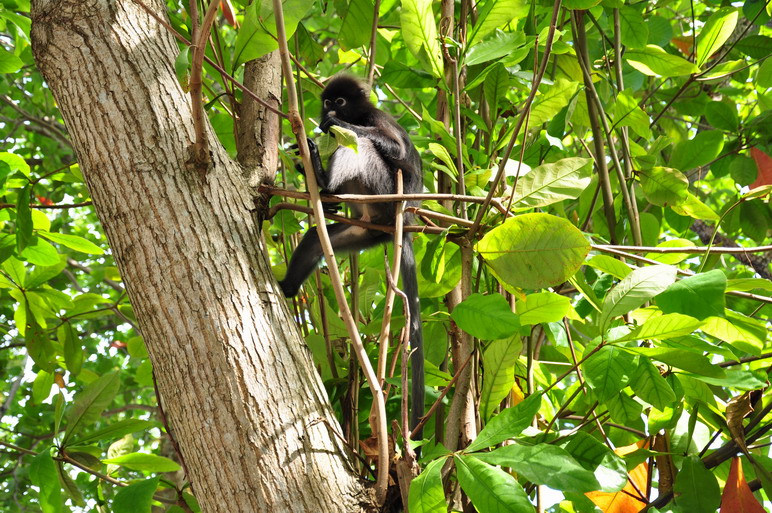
x=605, y=377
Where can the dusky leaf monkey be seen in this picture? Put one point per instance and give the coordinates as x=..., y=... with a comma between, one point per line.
x=383, y=148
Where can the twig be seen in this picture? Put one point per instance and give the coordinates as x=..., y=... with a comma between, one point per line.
x=690, y=250
x=380, y=430
x=373, y=39
x=520, y=121
x=383, y=338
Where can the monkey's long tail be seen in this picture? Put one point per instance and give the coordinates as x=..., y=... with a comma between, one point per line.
x=410, y=288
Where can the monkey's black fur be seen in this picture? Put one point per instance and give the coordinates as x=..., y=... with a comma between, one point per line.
x=383, y=147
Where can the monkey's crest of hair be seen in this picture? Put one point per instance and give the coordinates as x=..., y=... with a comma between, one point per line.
x=342, y=86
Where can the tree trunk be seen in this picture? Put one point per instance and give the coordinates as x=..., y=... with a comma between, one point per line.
x=242, y=398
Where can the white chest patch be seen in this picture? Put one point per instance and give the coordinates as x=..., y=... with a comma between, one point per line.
x=364, y=165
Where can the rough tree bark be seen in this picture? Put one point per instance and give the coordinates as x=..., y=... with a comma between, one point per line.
x=245, y=404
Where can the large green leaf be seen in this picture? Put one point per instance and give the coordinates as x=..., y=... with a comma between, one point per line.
x=500, y=45
x=357, y=24
x=662, y=327
x=722, y=115
x=653, y=60
x=136, y=498
x=745, y=333
x=542, y=307
x=635, y=289
x=507, y=424
x=144, y=462
x=687, y=360
x=426, y=492
x=696, y=487
x=544, y=464
x=635, y=31
x=23, y=219
x=114, y=430
x=493, y=14
x=257, y=34
x=9, y=63
x=420, y=32
x=714, y=33
x=42, y=473
x=533, y=251
x=664, y=186
x=73, y=242
x=608, y=371
x=551, y=100
x=90, y=403
x=704, y=148
x=699, y=296
x=550, y=183
x=592, y=454
x=650, y=386
x=490, y=489
x=486, y=317
x=499, y=360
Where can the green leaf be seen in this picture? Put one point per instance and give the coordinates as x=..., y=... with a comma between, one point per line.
x=73, y=349
x=182, y=68
x=257, y=34
x=507, y=424
x=715, y=33
x=681, y=359
x=420, y=33
x=544, y=464
x=664, y=186
x=42, y=473
x=662, y=327
x=41, y=387
x=144, y=462
x=496, y=85
x=355, y=29
x=653, y=60
x=73, y=242
x=609, y=265
x=627, y=112
x=695, y=208
x=608, y=371
x=427, y=494
x=114, y=431
x=550, y=183
x=90, y=403
x=500, y=45
x=635, y=32
x=650, y=386
x=542, y=307
x=40, y=252
x=489, y=488
x=9, y=63
x=608, y=467
x=493, y=14
x=551, y=101
x=671, y=258
x=625, y=410
x=486, y=317
x=745, y=333
x=533, y=251
x=638, y=287
x=136, y=498
x=38, y=344
x=755, y=46
x=696, y=487
x=499, y=360
x=701, y=150
x=699, y=296
x=722, y=116
x=23, y=219
x=743, y=170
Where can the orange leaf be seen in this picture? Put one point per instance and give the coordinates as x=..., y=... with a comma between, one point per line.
x=684, y=43
x=737, y=496
x=228, y=12
x=628, y=500
x=764, y=165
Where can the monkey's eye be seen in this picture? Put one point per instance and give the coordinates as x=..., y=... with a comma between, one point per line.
x=340, y=102
x=327, y=104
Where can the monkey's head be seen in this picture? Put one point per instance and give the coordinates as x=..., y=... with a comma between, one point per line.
x=347, y=99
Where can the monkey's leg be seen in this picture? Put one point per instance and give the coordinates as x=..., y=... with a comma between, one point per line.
x=344, y=238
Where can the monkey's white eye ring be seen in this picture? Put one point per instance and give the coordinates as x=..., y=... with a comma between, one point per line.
x=327, y=104
x=341, y=102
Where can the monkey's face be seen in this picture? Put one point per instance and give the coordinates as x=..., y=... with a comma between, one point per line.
x=345, y=99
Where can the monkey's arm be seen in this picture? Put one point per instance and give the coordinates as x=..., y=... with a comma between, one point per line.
x=385, y=136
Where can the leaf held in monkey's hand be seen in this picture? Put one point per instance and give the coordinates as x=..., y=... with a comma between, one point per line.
x=326, y=145
x=345, y=137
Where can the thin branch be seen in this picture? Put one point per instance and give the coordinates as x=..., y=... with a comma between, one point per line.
x=209, y=61
x=373, y=39
x=690, y=250
x=41, y=206
x=380, y=429
x=520, y=121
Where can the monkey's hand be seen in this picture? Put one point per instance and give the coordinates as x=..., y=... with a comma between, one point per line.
x=331, y=120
